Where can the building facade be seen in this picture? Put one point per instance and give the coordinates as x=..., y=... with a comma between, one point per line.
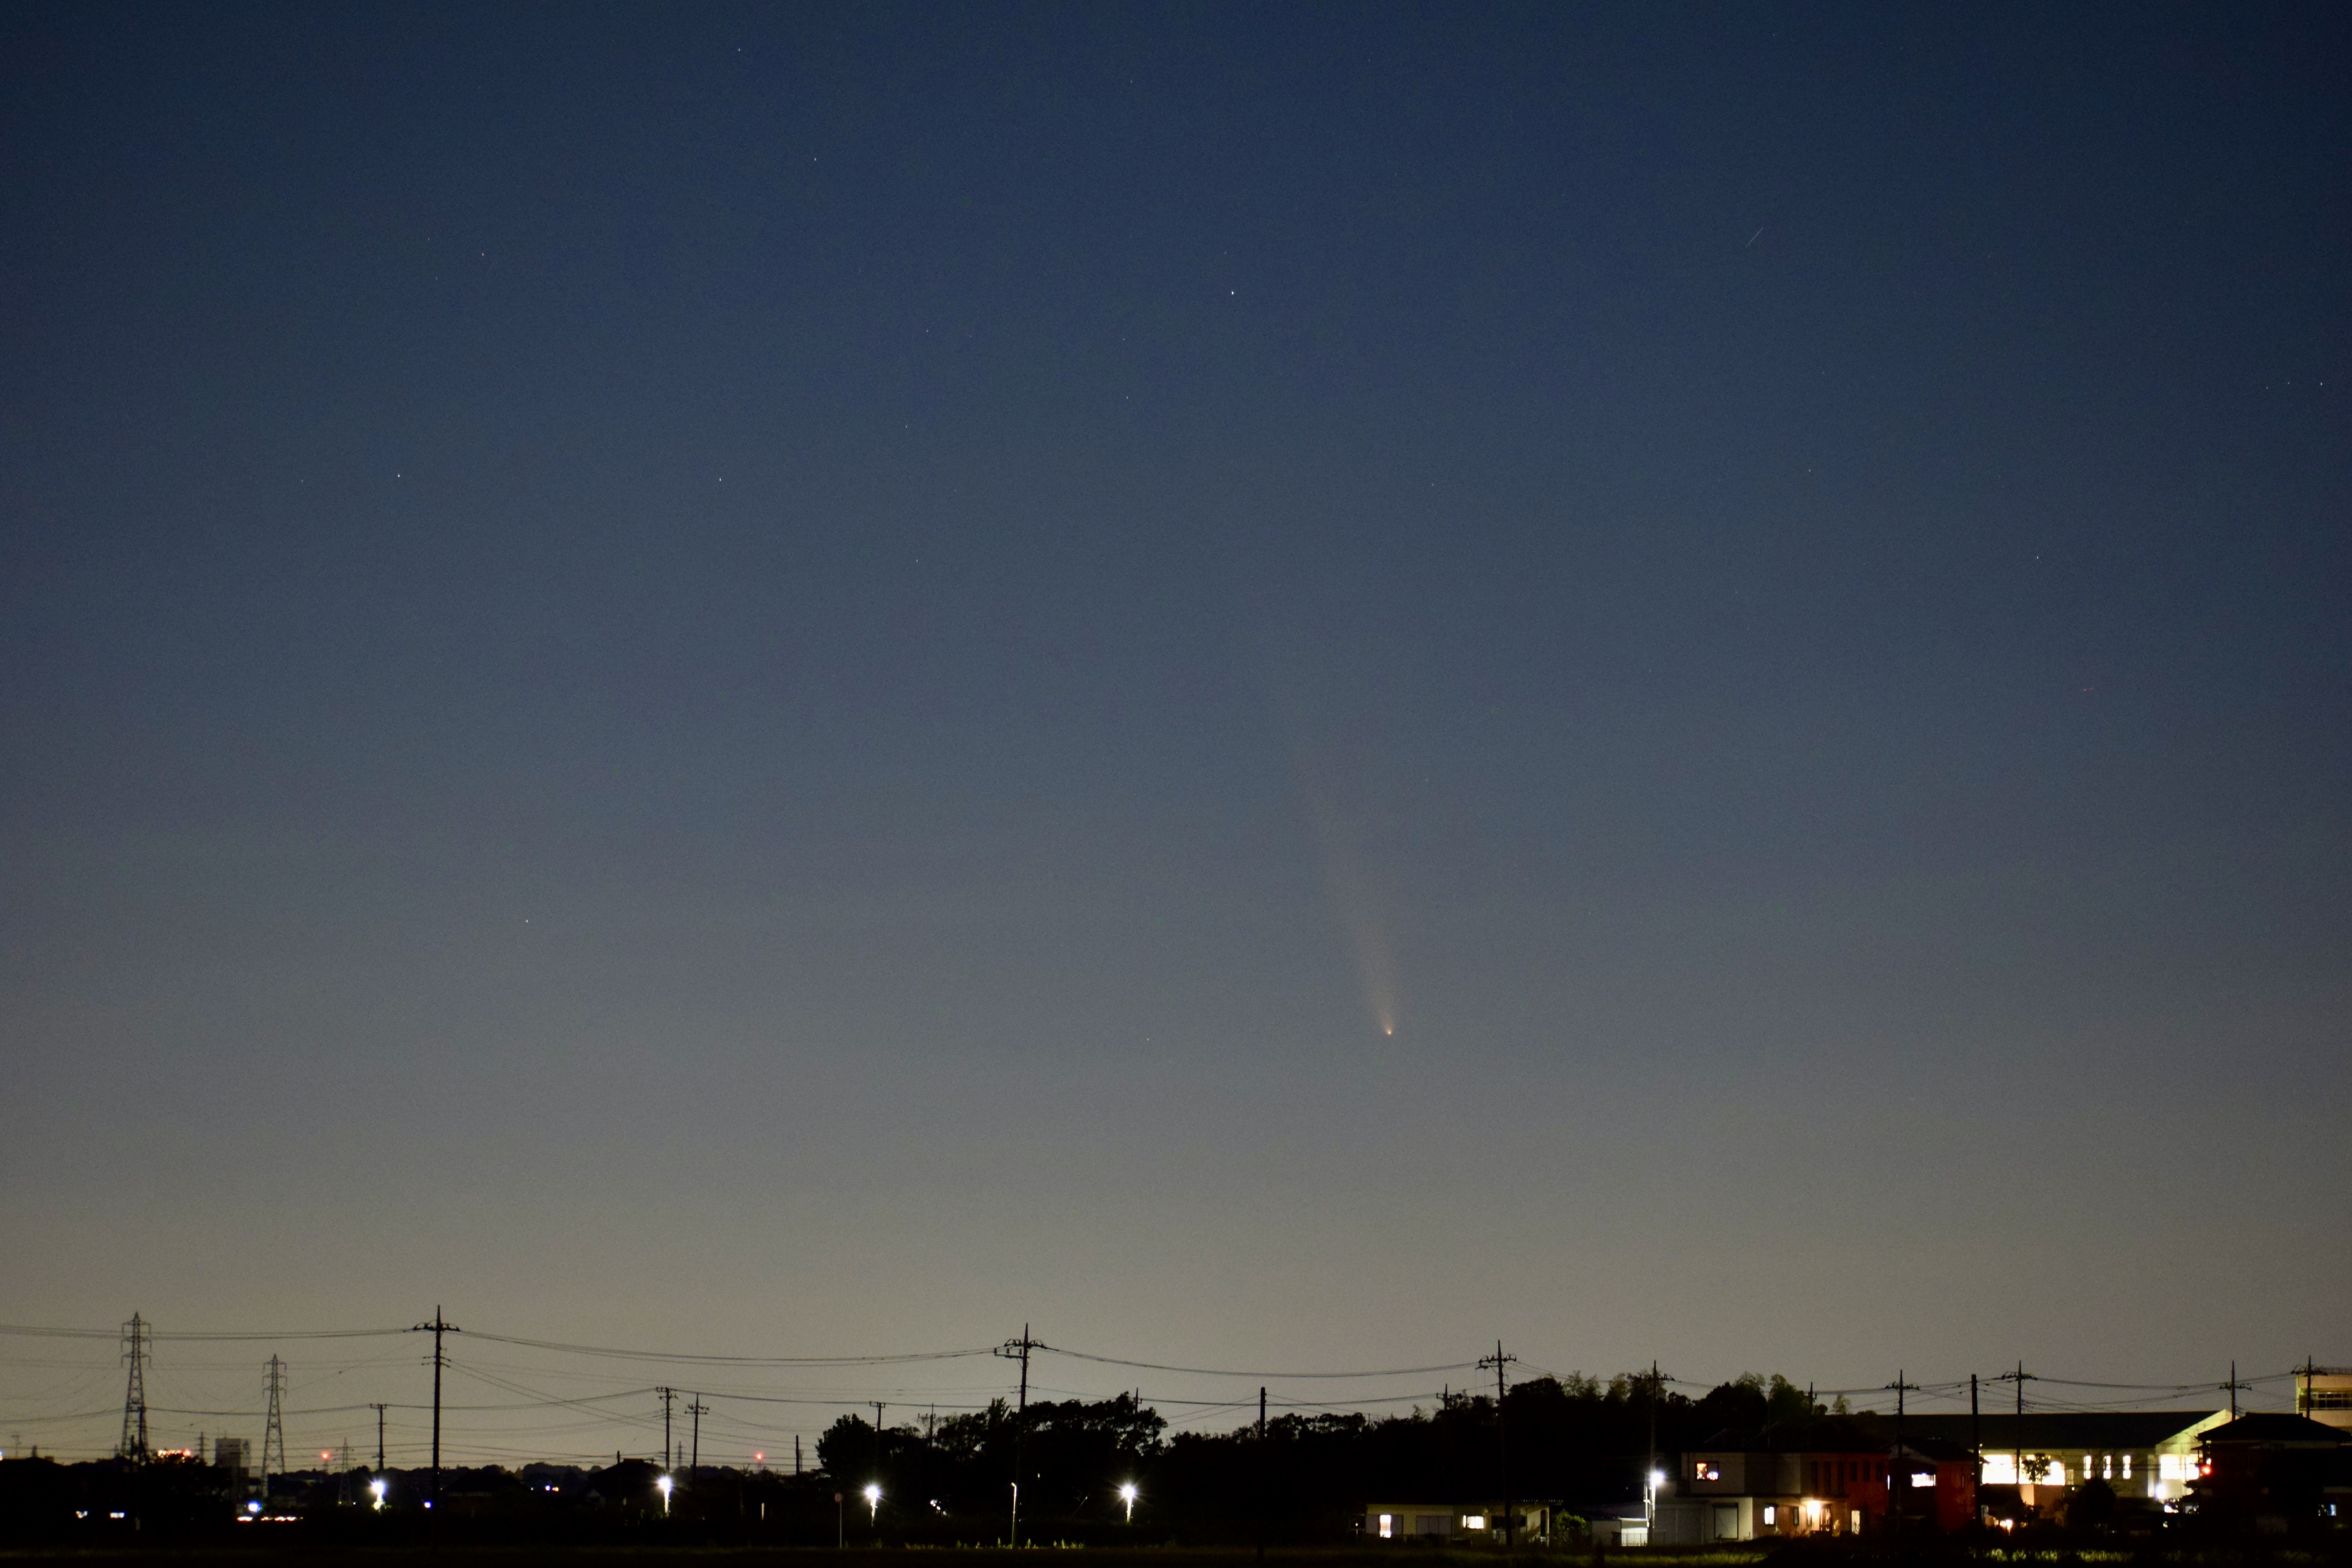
x=1469, y=1523
x=1836, y=1476
x=2044, y=1455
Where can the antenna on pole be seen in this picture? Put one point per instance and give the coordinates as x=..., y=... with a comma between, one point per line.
x=134, y=1447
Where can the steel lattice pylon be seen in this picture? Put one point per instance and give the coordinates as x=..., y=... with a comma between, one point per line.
x=134, y=1446
x=273, y=1437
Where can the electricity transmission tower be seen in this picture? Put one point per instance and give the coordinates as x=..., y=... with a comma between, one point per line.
x=133, y=1447
x=273, y=1435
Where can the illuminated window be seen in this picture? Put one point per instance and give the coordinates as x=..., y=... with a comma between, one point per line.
x=1703, y=1472
x=1473, y=1522
x=1923, y=1478
x=2127, y=1467
x=2001, y=1469
x=1388, y=1525
x=1770, y=1513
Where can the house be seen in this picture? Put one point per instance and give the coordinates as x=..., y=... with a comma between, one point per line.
x=1468, y=1523
x=2042, y=1455
x=2276, y=1471
x=1831, y=1475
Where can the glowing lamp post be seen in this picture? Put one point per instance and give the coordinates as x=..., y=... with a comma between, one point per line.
x=664, y=1484
x=1127, y=1494
x=873, y=1501
x=378, y=1487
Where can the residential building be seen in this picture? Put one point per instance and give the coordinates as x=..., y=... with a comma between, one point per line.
x=2278, y=1472
x=2324, y=1394
x=1836, y=1475
x=1470, y=1523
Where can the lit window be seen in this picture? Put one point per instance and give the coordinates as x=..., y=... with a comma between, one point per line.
x=1388, y=1525
x=1770, y=1513
x=2127, y=1467
x=2001, y=1469
x=1703, y=1472
x=1923, y=1478
x=1473, y=1522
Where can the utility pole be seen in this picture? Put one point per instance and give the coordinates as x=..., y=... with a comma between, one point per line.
x=2233, y=1385
x=273, y=1431
x=669, y=1398
x=1262, y=1498
x=136, y=1334
x=437, y=1328
x=1019, y=1348
x=379, y=1438
x=2017, y=1434
x=1976, y=1430
x=1650, y=1469
x=1499, y=1360
x=696, y=1409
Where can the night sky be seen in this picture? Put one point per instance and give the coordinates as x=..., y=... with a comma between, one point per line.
x=1271, y=687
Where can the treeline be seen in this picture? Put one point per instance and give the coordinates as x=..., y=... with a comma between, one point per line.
x=1578, y=1441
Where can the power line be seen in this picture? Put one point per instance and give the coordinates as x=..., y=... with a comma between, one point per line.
x=1243, y=1372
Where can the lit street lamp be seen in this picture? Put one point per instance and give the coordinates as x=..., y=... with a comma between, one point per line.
x=379, y=1487
x=1127, y=1495
x=664, y=1484
x=873, y=1501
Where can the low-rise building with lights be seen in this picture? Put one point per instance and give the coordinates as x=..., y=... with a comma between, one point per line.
x=2031, y=1461
x=1835, y=1476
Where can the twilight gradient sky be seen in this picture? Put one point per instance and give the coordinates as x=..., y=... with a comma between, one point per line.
x=812, y=679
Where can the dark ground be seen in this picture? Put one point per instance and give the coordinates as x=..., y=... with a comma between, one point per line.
x=2326, y=1553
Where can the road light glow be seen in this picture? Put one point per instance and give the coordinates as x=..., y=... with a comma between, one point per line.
x=873, y=1501
x=665, y=1483
x=1127, y=1494
x=379, y=1487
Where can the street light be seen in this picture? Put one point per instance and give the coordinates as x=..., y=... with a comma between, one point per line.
x=379, y=1487
x=873, y=1501
x=1127, y=1495
x=664, y=1484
